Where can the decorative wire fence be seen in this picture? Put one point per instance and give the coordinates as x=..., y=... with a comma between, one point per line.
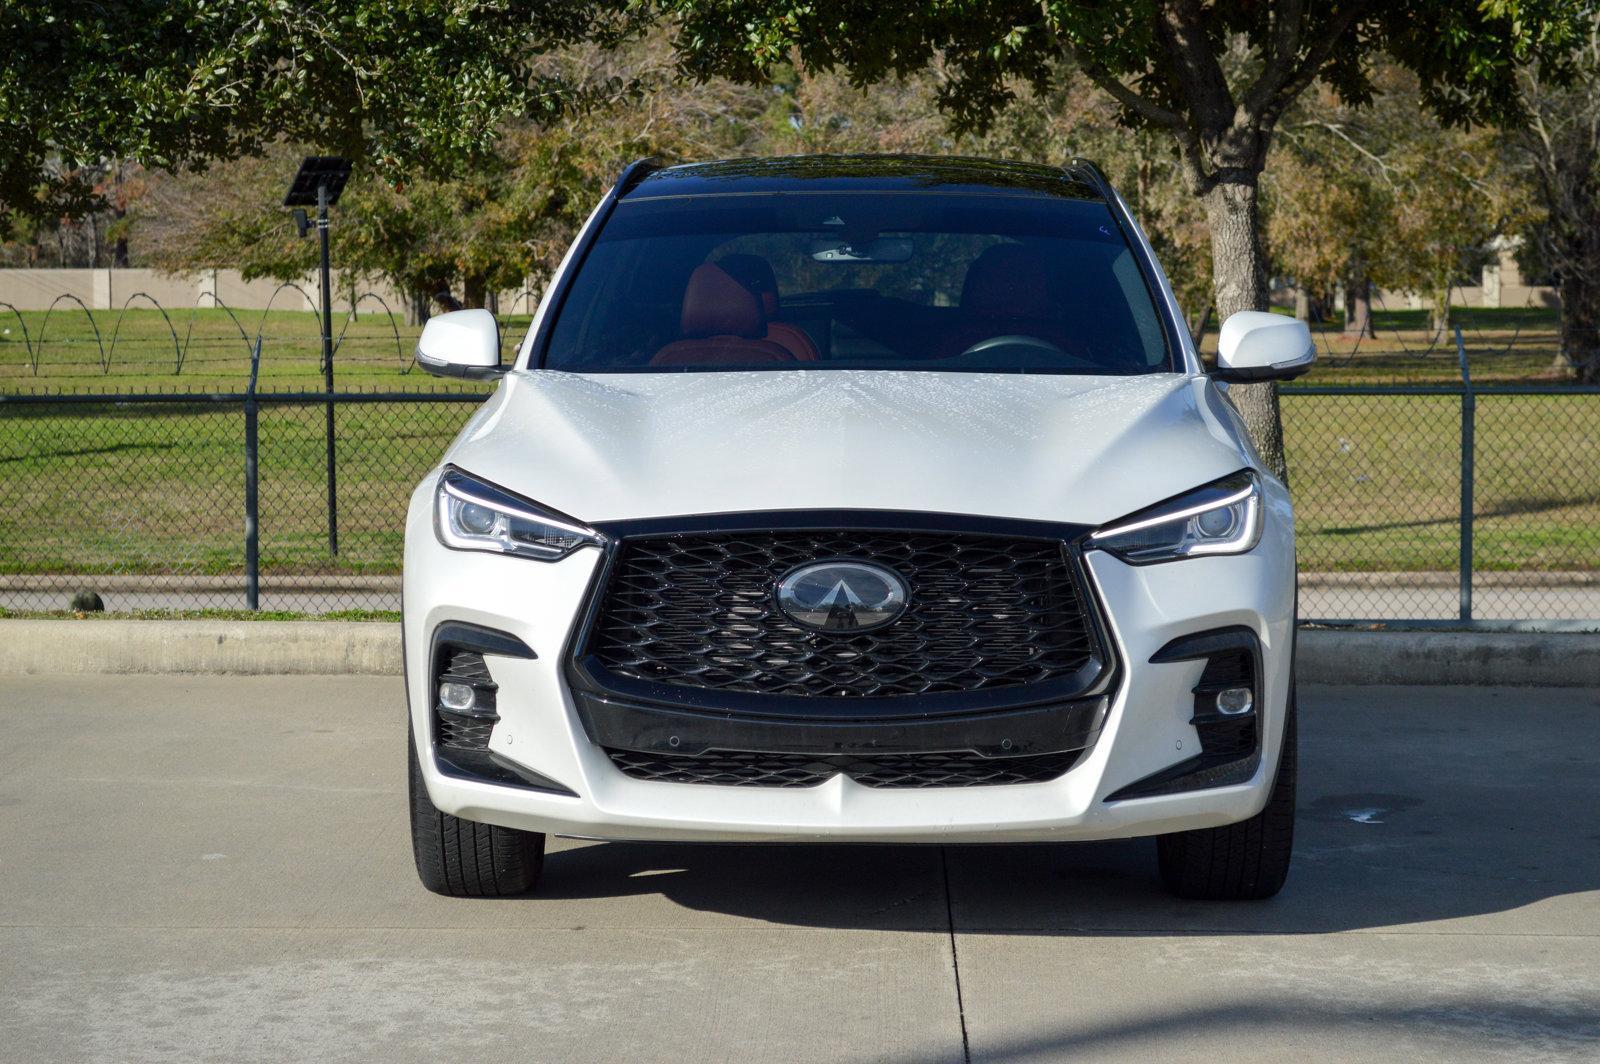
x=145, y=345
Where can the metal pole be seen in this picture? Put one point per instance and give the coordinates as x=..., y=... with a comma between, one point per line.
x=1469, y=416
x=327, y=368
x=252, y=515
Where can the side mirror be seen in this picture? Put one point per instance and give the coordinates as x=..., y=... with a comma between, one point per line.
x=462, y=343
x=1256, y=346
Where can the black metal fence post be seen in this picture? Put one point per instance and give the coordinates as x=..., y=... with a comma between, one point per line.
x=327, y=367
x=1469, y=416
x=252, y=513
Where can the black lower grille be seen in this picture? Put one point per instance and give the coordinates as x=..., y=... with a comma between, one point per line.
x=463, y=732
x=742, y=769
x=1225, y=738
x=470, y=730
x=984, y=612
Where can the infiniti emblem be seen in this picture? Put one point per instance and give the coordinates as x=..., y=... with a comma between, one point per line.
x=842, y=596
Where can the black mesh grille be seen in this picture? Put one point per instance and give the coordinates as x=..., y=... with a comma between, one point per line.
x=463, y=732
x=984, y=612
x=1233, y=737
x=469, y=667
x=739, y=769
x=467, y=731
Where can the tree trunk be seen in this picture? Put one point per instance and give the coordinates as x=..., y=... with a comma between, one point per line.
x=473, y=292
x=119, y=246
x=1580, y=327
x=1358, y=308
x=1302, y=303
x=418, y=308
x=1439, y=319
x=1239, y=272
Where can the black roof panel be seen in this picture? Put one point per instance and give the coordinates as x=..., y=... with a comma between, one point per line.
x=860, y=173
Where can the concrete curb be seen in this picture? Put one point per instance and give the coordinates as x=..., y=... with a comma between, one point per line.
x=278, y=648
x=1473, y=659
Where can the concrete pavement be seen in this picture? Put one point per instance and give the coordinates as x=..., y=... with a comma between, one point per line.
x=216, y=868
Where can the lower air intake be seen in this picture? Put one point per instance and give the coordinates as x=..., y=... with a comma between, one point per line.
x=742, y=769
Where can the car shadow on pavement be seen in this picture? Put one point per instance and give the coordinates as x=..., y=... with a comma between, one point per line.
x=1347, y=875
x=1464, y=1027
x=1444, y=805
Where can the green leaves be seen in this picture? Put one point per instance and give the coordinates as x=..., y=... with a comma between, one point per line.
x=423, y=84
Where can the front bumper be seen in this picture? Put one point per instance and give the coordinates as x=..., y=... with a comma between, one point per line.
x=1144, y=729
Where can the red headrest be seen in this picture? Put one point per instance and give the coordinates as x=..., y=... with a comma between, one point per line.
x=714, y=304
x=1008, y=281
x=755, y=273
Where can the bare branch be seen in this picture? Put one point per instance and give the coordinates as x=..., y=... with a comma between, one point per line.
x=1288, y=20
x=1142, y=106
x=1272, y=104
x=1182, y=30
x=1337, y=129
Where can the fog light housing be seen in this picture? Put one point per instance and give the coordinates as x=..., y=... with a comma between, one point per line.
x=457, y=697
x=1235, y=701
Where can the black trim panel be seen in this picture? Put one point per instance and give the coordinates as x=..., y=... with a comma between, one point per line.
x=1205, y=769
x=486, y=766
x=1044, y=729
x=825, y=520
x=465, y=636
x=480, y=766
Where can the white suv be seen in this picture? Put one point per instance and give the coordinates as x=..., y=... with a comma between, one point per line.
x=854, y=498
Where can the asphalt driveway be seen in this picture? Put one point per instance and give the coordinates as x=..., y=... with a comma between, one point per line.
x=213, y=868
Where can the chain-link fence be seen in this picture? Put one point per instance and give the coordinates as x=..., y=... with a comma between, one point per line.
x=1441, y=503
x=142, y=499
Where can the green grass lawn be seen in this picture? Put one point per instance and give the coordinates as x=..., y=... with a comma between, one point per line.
x=1504, y=345
x=105, y=489
x=132, y=490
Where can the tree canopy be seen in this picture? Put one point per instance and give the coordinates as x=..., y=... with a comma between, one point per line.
x=1211, y=74
x=176, y=83
x=1216, y=78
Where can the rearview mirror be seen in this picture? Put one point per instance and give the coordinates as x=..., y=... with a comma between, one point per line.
x=882, y=249
x=1257, y=346
x=462, y=343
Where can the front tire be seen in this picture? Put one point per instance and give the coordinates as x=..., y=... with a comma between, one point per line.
x=464, y=859
x=1247, y=861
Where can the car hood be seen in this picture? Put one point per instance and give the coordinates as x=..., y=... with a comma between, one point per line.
x=1077, y=449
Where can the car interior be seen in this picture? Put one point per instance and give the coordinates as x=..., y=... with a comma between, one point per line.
x=833, y=297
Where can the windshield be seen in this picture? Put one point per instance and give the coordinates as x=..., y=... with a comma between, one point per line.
x=994, y=282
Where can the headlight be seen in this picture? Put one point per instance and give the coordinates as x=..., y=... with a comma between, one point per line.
x=471, y=514
x=1223, y=517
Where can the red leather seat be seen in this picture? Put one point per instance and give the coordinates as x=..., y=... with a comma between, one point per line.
x=755, y=273
x=722, y=325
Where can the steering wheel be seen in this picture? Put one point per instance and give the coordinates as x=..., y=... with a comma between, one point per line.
x=1015, y=350
x=1013, y=340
